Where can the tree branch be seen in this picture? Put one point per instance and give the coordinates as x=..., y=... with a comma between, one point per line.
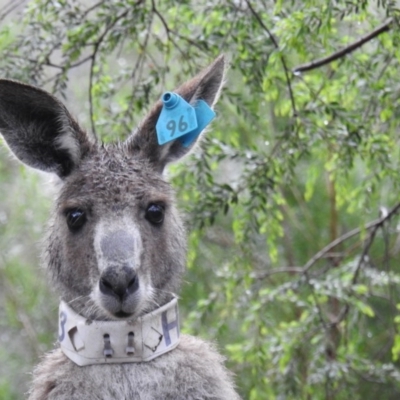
x=11, y=5
x=378, y=224
x=323, y=253
x=272, y=38
x=286, y=270
x=371, y=225
x=92, y=65
x=347, y=50
x=91, y=8
x=168, y=31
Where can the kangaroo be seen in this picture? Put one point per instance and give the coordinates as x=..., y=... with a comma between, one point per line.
x=115, y=254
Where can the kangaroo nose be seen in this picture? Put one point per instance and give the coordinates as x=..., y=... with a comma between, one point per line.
x=119, y=284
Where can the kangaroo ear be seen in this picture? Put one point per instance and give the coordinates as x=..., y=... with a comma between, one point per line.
x=39, y=130
x=143, y=143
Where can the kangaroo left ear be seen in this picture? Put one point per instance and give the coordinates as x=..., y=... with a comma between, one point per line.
x=144, y=144
x=39, y=130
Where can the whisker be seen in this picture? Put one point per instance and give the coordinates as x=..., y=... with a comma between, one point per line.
x=76, y=299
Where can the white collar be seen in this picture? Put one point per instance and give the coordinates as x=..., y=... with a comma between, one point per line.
x=87, y=342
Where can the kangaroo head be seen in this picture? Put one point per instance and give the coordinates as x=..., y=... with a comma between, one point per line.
x=116, y=243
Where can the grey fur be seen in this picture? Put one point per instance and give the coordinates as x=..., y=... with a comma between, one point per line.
x=118, y=264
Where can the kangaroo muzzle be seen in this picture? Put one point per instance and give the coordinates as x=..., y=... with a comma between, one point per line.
x=119, y=282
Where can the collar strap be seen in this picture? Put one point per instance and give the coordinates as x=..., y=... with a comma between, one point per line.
x=87, y=342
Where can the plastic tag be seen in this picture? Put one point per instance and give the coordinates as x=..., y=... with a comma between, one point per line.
x=177, y=118
x=204, y=115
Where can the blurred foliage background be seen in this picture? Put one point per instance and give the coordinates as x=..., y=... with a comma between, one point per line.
x=291, y=201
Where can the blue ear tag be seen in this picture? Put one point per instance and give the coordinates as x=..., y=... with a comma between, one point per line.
x=177, y=118
x=204, y=115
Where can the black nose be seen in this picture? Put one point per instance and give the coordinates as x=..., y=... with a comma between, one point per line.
x=119, y=282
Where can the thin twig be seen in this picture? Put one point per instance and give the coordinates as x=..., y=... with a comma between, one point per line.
x=93, y=56
x=91, y=75
x=166, y=27
x=365, y=252
x=91, y=8
x=374, y=99
x=63, y=68
x=188, y=40
x=314, y=296
x=347, y=50
x=366, y=249
x=13, y=6
x=140, y=60
x=286, y=270
x=272, y=38
x=78, y=63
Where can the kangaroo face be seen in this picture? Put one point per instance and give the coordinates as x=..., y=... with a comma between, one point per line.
x=116, y=245
x=117, y=238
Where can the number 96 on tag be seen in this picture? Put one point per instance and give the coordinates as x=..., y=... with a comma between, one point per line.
x=172, y=124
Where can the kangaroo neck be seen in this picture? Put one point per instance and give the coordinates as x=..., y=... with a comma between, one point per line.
x=87, y=342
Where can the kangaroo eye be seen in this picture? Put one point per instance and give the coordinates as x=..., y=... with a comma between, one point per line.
x=155, y=214
x=75, y=219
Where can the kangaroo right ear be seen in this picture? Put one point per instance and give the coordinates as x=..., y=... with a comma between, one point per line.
x=144, y=144
x=39, y=130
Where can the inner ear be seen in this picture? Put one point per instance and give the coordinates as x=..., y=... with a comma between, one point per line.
x=144, y=144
